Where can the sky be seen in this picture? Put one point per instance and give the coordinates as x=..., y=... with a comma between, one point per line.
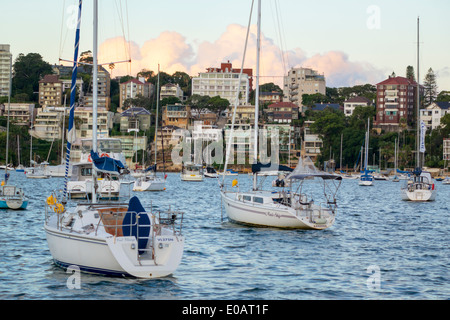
x=351, y=42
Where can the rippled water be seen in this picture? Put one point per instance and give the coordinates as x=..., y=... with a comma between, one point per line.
x=407, y=242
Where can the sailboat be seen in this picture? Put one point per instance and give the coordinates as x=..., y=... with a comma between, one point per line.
x=11, y=197
x=20, y=167
x=366, y=178
x=421, y=187
x=284, y=208
x=150, y=181
x=109, y=238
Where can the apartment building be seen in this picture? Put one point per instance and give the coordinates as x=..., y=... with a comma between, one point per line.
x=224, y=82
x=5, y=69
x=133, y=88
x=171, y=90
x=19, y=113
x=135, y=118
x=176, y=115
x=270, y=97
x=84, y=122
x=104, y=89
x=446, y=150
x=312, y=143
x=245, y=114
x=396, y=101
x=432, y=114
x=50, y=90
x=49, y=123
x=300, y=81
x=282, y=112
x=352, y=103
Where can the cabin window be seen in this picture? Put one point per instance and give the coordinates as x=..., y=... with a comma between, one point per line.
x=258, y=200
x=247, y=198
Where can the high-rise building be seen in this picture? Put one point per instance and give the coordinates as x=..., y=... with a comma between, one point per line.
x=5, y=60
x=300, y=81
x=133, y=88
x=396, y=102
x=224, y=82
x=50, y=90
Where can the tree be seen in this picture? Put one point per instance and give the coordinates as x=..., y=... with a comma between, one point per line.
x=218, y=104
x=443, y=96
x=199, y=104
x=410, y=73
x=28, y=70
x=430, y=87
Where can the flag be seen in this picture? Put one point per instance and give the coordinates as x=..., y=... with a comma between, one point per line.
x=423, y=130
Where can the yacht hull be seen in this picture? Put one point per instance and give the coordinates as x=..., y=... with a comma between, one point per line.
x=287, y=218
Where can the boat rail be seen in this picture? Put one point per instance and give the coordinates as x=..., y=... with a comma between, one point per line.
x=110, y=218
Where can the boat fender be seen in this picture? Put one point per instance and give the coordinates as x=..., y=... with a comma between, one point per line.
x=89, y=158
x=105, y=155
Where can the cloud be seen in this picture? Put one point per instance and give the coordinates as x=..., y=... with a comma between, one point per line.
x=173, y=52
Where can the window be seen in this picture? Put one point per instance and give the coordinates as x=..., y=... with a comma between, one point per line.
x=258, y=200
x=247, y=198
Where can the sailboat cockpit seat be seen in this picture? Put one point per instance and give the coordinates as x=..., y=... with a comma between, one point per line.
x=112, y=219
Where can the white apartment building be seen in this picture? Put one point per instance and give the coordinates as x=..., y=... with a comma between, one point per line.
x=84, y=128
x=171, y=90
x=224, y=84
x=446, y=151
x=5, y=62
x=352, y=103
x=432, y=114
x=300, y=81
x=49, y=123
x=104, y=88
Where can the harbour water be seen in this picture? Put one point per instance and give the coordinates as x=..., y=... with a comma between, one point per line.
x=379, y=248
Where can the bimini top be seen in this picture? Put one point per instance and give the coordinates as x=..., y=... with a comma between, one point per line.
x=106, y=164
x=269, y=168
x=306, y=169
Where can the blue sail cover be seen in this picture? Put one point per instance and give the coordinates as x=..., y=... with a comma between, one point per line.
x=151, y=168
x=106, y=164
x=259, y=167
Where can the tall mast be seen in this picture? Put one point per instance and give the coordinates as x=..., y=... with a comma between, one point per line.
x=258, y=53
x=71, y=126
x=94, y=97
x=7, y=122
x=418, y=102
x=156, y=120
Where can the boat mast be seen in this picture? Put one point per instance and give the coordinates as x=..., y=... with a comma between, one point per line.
x=418, y=103
x=94, y=98
x=156, y=120
x=258, y=53
x=7, y=122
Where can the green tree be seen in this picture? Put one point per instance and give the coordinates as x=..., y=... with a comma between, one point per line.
x=410, y=73
x=443, y=96
x=28, y=70
x=430, y=87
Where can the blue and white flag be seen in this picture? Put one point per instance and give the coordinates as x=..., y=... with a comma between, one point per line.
x=423, y=130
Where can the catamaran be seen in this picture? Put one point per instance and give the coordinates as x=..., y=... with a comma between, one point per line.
x=110, y=238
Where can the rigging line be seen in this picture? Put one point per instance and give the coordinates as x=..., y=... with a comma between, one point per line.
x=61, y=31
x=228, y=146
x=121, y=19
x=277, y=34
x=129, y=38
x=281, y=33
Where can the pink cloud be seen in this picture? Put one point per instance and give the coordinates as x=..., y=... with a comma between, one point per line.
x=172, y=51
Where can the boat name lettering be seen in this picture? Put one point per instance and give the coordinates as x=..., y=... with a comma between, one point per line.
x=164, y=239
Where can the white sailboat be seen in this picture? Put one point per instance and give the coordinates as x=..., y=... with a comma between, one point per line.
x=366, y=179
x=11, y=196
x=282, y=209
x=150, y=181
x=421, y=187
x=111, y=238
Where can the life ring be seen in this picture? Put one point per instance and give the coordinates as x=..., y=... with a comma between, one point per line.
x=104, y=155
x=89, y=158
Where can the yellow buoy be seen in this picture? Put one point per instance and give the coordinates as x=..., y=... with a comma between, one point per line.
x=59, y=208
x=234, y=183
x=3, y=182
